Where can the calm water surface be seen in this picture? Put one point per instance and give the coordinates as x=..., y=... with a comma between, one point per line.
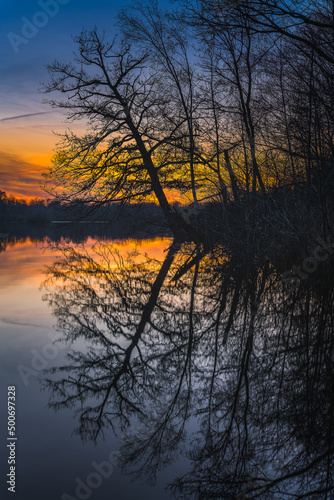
x=49, y=457
x=185, y=367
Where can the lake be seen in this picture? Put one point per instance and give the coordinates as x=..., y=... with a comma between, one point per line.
x=49, y=458
x=143, y=363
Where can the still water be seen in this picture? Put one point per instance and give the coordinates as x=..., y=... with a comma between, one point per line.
x=177, y=371
x=49, y=457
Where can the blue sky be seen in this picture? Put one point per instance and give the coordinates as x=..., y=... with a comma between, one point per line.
x=31, y=37
x=22, y=65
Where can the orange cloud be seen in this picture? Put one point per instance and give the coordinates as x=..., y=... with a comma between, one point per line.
x=19, y=177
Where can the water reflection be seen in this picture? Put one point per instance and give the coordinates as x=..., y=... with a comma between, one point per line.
x=207, y=356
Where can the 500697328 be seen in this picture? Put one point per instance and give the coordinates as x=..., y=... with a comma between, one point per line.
x=11, y=445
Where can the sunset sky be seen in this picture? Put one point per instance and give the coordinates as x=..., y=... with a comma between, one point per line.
x=31, y=37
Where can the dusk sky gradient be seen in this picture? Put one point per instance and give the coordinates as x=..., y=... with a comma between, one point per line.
x=26, y=125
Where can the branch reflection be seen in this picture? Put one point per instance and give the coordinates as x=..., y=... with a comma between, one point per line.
x=205, y=355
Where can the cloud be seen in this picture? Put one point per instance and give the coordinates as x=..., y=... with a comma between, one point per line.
x=24, y=116
x=19, y=177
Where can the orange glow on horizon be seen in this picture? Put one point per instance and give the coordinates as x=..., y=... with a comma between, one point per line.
x=26, y=148
x=27, y=144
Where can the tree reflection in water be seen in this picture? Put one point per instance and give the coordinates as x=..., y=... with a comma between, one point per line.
x=207, y=344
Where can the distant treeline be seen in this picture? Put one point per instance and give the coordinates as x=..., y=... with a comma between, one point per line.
x=39, y=211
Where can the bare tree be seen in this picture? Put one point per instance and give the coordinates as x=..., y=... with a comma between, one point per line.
x=126, y=153
x=236, y=67
x=290, y=19
x=167, y=40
